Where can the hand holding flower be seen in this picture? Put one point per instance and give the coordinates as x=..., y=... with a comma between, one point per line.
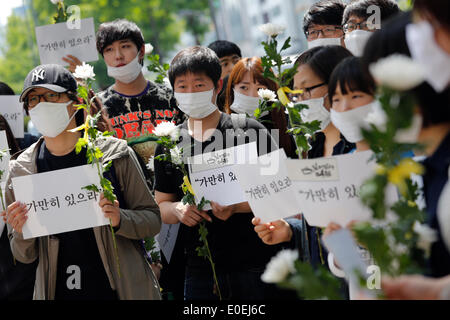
x=110, y=210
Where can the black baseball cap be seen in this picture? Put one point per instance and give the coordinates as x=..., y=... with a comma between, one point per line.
x=50, y=76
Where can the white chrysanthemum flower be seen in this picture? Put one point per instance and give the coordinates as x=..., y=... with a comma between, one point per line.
x=148, y=48
x=267, y=94
x=176, y=155
x=280, y=266
x=271, y=29
x=167, y=129
x=398, y=72
x=426, y=235
x=55, y=2
x=151, y=163
x=85, y=71
x=377, y=117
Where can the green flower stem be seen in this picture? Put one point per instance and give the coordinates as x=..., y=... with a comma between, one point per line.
x=116, y=250
x=209, y=256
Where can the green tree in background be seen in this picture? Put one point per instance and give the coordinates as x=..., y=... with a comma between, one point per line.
x=161, y=21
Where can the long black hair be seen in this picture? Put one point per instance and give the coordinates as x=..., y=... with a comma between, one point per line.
x=350, y=75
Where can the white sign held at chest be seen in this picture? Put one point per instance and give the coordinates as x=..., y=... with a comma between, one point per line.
x=11, y=109
x=4, y=161
x=56, y=202
x=56, y=41
x=213, y=174
x=270, y=195
x=329, y=192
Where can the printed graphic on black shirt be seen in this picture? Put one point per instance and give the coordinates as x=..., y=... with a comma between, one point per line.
x=133, y=118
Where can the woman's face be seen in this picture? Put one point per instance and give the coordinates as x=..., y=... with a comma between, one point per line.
x=349, y=101
x=248, y=86
x=312, y=85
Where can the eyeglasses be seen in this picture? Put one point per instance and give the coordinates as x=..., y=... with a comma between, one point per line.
x=34, y=99
x=306, y=95
x=326, y=33
x=351, y=26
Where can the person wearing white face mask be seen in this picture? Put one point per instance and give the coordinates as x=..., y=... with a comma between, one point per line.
x=361, y=18
x=242, y=97
x=322, y=23
x=49, y=98
x=195, y=76
x=313, y=75
x=315, y=68
x=428, y=40
x=134, y=105
x=434, y=134
x=351, y=93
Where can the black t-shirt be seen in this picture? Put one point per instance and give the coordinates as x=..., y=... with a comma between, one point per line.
x=134, y=118
x=234, y=244
x=76, y=248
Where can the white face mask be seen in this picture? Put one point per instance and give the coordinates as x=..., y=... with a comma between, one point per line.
x=197, y=105
x=316, y=111
x=355, y=41
x=443, y=214
x=245, y=104
x=425, y=51
x=324, y=42
x=50, y=118
x=127, y=73
x=349, y=123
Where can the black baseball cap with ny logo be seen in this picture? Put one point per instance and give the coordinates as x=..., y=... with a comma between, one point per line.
x=50, y=76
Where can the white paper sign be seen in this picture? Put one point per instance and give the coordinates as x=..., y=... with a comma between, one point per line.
x=323, y=200
x=11, y=109
x=346, y=253
x=220, y=183
x=270, y=195
x=56, y=41
x=4, y=161
x=57, y=203
x=167, y=238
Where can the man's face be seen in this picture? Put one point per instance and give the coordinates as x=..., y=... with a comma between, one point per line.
x=227, y=64
x=195, y=82
x=121, y=52
x=356, y=23
x=316, y=31
x=35, y=96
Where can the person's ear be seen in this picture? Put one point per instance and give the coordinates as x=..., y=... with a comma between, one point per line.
x=142, y=52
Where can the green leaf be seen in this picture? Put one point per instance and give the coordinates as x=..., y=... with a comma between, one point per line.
x=91, y=187
x=80, y=144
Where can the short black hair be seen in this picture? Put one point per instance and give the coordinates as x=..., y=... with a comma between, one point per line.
x=119, y=29
x=195, y=60
x=350, y=74
x=225, y=48
x=324, y=12
x=392, y=40
x=388, y=8
x=5, y=90
x=323, y=59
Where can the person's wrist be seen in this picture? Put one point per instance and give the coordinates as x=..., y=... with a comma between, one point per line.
x=289, y=233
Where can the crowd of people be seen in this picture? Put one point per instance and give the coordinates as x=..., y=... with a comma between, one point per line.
x=213, y=90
